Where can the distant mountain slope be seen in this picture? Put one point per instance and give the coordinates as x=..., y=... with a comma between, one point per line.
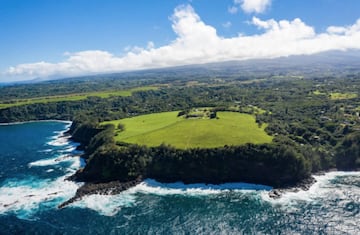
x=304, y=65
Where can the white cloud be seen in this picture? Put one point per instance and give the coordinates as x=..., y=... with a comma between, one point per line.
x=227, y=24
x=284, y=29
x=198, y=42
x=232, y=10
x=336, y=30
x=344, y=30
x=150, y=45
x=253, y=6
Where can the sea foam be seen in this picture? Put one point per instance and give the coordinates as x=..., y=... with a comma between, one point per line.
x=150, y=186
x=323, y=187
x=59, y=141
x=25, y=199
x=109, y=205
x=51, y=161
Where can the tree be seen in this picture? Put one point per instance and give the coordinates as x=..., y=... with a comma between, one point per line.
x=121, y=127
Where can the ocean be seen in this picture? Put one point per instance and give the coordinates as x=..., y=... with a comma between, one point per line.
x=35, y=159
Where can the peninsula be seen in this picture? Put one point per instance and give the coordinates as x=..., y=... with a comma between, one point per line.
x=261, y=129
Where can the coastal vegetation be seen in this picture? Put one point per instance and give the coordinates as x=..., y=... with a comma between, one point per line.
x=272, y=164
x=192, y=128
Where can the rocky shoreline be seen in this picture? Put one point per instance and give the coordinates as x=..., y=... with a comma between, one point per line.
x=303, y=185
x=176, y=168
x=116, y=187
x=108, y=188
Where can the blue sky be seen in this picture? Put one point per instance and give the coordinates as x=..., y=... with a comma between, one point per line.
x=51, y=38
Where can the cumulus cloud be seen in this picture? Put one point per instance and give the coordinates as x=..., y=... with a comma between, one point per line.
x=197, y=42
x=253, y=6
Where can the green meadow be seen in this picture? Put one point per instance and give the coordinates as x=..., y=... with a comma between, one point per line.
x=337, y=95
x=75, y=97
x=342, y=96
x=230, y=128
x=317, y=92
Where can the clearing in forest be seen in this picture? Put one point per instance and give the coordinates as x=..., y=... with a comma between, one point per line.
x=227, y=128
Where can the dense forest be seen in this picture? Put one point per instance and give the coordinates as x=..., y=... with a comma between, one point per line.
x=314, y=121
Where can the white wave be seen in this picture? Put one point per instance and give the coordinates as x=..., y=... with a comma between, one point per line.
x=317, y=192
x=54, y=161
x=26, y=197
x=150, y=186
x=111, y=204
x=45, y=162
x=68, y=125
x=45, y=151
x=70, y=149
x=107, y=205
x=76, y=164
x=59, y=141
x=62, y=132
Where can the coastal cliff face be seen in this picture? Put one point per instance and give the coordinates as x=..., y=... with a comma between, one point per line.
x=348, y=152
x=274, y=164
x=268, y=164
x=83, y=132
x=253, y=164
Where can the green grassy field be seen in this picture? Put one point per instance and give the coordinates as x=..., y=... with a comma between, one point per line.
x=230, y=128
x=317, y=92
x=337, y=95
x=342, y=96
x=75, y=97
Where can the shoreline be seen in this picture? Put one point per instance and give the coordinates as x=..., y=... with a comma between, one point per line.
x=117, y=187
x=19, y=123
x=108, y=188
x=304, y=185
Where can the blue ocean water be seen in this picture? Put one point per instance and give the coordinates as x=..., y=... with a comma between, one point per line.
x=36, y=158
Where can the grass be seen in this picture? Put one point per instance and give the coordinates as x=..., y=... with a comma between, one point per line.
x=248, y=109
x=337, y=95
x=74, y=97
x=230, y=128
x=342, y=96
x=317, y=92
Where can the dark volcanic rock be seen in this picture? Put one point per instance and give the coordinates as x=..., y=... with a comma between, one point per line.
x=302, y=185
x=109, y=188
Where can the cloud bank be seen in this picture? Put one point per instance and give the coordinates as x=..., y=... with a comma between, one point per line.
x=197, y=42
